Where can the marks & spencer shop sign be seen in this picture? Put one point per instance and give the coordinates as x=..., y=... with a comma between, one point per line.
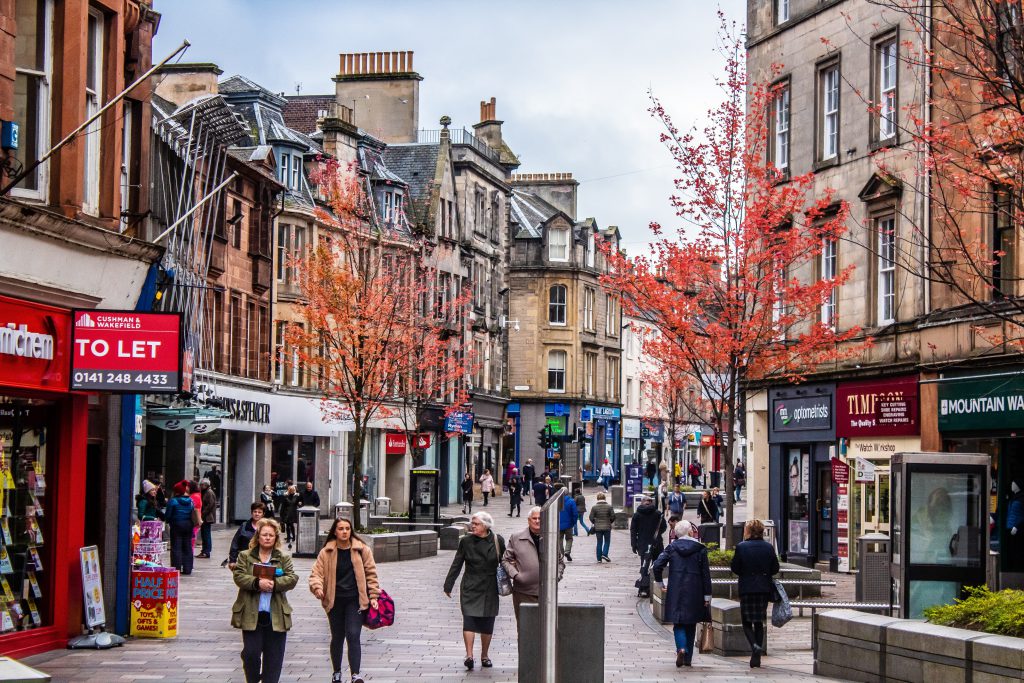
x=996, y=403
x=801, y=414
x=34, y=351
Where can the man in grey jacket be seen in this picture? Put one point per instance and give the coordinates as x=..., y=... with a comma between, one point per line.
x=522, y=562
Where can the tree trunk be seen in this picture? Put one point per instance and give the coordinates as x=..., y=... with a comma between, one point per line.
x=727, y=484
x=356, y=453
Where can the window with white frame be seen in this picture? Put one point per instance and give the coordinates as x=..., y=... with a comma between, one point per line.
x=296, y=182
x=389, y=206
x=589, y=296
x=629, y=394
x=829, y=263
x=780, y=129
x=33, y=63
x=127, y=140
x=611, y=321
x=93, y=102
x=282, y=171
x=558, y=244
x=479, y=364
x=291, y=247
x=556, y=371
x=886, y=269
x=828, y=79
x=612, y=390
x=781, y=11
x=589, y=373
x=886, y=78
x=557, y=304
x=591, y=249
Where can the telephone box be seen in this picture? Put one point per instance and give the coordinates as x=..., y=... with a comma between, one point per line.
x=423, y=503
x=939, y=505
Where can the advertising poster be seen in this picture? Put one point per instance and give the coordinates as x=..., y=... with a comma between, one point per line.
x=154, y=602
x=91, y=586
x=798, y=537
x=634, y=483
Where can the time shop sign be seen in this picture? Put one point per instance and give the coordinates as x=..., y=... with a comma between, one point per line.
x=878, y=407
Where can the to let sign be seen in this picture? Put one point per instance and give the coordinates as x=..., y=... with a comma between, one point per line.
x=126, y=351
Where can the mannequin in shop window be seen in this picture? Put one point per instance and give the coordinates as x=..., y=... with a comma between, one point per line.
x=1014, y=541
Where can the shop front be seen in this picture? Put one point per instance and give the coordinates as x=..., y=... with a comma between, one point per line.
x=631, y=441
x=802, y=441
x=985, y=414
x=43, y=454
x=874, y=420
x=603, y=441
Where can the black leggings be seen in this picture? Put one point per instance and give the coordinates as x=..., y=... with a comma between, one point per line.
x=754, y=631
x=346, y=624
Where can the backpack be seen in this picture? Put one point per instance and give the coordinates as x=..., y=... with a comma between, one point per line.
x=383, y=616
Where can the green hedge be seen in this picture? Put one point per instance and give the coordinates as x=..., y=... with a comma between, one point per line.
x=718, y=557
x=999, y=613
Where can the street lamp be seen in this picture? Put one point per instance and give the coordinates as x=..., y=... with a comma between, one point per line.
x=503, y=321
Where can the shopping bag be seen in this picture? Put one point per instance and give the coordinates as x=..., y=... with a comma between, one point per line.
x=781, y=611
x=707, y=638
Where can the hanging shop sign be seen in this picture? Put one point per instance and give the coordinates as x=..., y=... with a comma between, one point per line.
x=459, y=423
x=996, y=403
x=652, y=430
x=840, y=471
x=35, y=349
x=881, y=407
x=394, y=443
x=864, y=472
x=126, y=351
x=801, y=413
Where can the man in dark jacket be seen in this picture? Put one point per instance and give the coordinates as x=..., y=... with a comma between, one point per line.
x=645, y=530
x=602, y=516
x=240, y=541
x=209, y=517
x=567, y=523
x=310, y=497
x=541, y=491
x=529, y=474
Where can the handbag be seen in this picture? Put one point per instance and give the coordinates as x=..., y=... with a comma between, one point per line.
x=781, y=610
x=383, y=616
x=196, y=519
x=707, y=638
x=504, y=582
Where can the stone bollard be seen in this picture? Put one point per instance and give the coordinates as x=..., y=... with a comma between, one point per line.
x=581, y=650
x=450, y=536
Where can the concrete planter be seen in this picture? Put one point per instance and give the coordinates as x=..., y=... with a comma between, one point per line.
x=867, y=647
x=404, y=545
x=731, y=591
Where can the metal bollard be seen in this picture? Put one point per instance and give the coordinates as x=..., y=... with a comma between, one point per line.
x=550, y=549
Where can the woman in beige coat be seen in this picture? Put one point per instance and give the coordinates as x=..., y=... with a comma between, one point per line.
x=344, y=579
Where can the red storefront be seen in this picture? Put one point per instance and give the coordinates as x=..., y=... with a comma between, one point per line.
x=43, y=435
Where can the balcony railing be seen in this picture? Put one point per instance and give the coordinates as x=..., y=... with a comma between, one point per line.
x=459, y=136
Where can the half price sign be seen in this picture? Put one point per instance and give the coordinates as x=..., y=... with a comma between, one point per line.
x=126, y=351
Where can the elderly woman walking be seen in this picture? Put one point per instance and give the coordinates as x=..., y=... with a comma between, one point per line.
x=261, y=609
x=689, y=588
x=480, y=551
x=754, y=562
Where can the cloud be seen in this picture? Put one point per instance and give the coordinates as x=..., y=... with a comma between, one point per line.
x=570, y=76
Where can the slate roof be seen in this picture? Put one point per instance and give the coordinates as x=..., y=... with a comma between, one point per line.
x=262, y=111
x=415, y=164
x=530, y=213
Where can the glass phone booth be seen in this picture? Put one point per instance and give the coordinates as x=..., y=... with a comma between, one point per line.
x=423, y=503
x=939, y=526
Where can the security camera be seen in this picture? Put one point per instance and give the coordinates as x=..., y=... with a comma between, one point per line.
x=515, y=328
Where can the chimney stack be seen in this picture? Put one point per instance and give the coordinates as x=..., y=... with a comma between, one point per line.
x=181, y=83
x=489, y=130
x=383, y=91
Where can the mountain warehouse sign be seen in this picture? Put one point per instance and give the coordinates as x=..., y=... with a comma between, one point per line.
x=996, y=403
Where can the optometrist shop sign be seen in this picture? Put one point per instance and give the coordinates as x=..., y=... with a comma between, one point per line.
x=980, y=404
x=126, y=351
x=801, y=413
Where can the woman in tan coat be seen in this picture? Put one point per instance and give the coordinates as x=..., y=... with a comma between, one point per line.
x=344, y=579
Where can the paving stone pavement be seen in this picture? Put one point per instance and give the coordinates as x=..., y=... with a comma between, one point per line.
x=426, y=642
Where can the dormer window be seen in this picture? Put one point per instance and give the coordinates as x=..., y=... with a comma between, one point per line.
x=591, y=249
x=296, y=183
x=558, y=244
x=392, y=207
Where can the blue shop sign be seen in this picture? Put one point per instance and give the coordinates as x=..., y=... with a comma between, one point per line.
x=653, y=430
x=512, y=409
x=586, y=415
x=606, y=413
x=556, y=409
x=458, y=422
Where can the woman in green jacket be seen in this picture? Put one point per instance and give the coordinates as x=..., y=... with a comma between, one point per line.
x=481, y=551
x=261, y=609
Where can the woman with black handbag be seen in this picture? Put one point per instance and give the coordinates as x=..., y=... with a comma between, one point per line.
x=688, y=598
x=480, y=551
x=344, y=580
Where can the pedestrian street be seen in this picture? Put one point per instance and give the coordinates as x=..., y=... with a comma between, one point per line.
x=425, y=643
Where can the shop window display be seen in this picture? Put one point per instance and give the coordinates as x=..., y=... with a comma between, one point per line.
x=24, y=436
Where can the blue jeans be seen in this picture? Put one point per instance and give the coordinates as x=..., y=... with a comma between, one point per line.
x=685, y=634
x=605, y=481
x=604, y=540
x=579, y=519
x=206, y=534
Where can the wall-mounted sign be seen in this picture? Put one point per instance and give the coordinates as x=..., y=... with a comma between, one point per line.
x=653, y=430
x=459, y=423
x=422, y=441
x=586, y=415
x=247, y=411
x=126, y=351
x=864, y=472
x=996, y=403
x=840, y=471
x=35, y=347
x=394, y=443
x=604, y=412
x=801, y=413
x=882, y=407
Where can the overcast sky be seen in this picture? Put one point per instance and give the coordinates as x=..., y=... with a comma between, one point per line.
x=570, y=76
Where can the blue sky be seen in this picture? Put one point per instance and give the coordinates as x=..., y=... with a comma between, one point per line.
x=570, y=76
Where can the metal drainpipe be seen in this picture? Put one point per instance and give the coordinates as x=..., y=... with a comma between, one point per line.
x=549, y=551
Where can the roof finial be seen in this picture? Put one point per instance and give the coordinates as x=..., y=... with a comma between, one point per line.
x=446, y=121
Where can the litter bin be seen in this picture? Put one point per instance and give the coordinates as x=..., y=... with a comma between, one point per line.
x=382, y=507
x=710, y=532
x=873, y=582
x=307, y=532
x=716, y=479
x=344, y=511
x=364, y=513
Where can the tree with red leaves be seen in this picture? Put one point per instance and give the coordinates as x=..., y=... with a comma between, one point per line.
x=733, y=292
x=371, y=337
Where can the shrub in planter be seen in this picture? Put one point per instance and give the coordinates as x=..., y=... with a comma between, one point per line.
x=718, y=557
x=999, y=613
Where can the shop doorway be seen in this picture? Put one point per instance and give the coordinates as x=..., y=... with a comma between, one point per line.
x=823, y=507
x=869, y=506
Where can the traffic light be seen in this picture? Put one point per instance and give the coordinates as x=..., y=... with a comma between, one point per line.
x=544, y=440
x=556, y=445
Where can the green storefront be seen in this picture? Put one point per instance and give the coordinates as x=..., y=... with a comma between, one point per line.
x=985, y=414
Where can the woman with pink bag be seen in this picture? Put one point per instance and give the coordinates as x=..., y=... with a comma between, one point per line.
x=344, y=579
